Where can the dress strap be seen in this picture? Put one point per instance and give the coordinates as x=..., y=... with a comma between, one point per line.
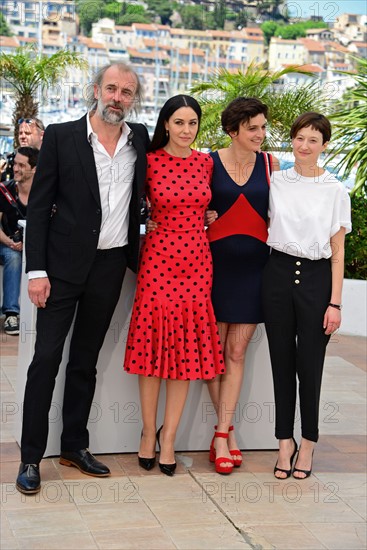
x=268, y=159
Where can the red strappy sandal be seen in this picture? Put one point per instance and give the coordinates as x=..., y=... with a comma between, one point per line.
x=235, y=452
x=218, y=461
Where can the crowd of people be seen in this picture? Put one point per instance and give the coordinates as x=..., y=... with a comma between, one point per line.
x=16, y=180
x=232, y=241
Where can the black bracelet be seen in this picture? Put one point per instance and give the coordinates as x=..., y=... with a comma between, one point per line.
x=337, y=306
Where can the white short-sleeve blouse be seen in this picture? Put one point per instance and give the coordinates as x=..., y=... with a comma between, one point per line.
x=306, y=212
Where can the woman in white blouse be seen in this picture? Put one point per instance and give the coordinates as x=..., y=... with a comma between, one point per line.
x=309, y=215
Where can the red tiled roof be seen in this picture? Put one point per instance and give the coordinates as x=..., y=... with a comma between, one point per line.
x=27, y=39
x=152, y=42
x=133, y=52
x=189, y=32
x=312, y=45
x=253, y=33
x=337, y=46
x=91, y=43
x=195, y=51
x=359, y=44
x=218, y=34
x=9, y=42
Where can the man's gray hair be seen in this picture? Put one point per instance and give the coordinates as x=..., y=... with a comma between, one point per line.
x=97, y=80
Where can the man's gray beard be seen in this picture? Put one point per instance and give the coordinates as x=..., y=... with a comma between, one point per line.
x=109, y=116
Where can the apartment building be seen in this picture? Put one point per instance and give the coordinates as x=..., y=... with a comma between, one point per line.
x=26, y=18
x=350, y=28
x=285, y=52
x=320, y=34
x=240, y=46
x=171, y=60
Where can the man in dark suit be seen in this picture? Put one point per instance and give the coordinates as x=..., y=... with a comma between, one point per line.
x=82, y=232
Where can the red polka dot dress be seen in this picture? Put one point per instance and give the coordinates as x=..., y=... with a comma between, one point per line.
x=173, y=332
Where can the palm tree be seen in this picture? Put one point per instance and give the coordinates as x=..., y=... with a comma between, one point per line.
x=350, y=128
x=27, y=72
x=285, y=103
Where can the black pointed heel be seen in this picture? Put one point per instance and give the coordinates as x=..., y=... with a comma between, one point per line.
x=146, y=463
x=167, y=469
x=287, y=472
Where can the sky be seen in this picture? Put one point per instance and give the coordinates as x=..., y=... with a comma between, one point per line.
x=328, y=9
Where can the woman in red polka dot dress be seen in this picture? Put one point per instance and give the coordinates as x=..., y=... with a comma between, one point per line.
x=173, y=333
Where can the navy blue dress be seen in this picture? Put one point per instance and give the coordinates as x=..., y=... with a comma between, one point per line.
x=238, y=242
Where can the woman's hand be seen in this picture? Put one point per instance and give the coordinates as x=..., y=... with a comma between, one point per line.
x=210, y=217
x=332, y=320
x=150, y=225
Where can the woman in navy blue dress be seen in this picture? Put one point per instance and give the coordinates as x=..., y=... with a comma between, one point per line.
x=237, y=236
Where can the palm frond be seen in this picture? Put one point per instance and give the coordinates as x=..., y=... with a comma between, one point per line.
x=27, y=71
x=350, y=129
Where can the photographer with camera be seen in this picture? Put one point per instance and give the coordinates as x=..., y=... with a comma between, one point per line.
x=13, y=207
x=30, y=134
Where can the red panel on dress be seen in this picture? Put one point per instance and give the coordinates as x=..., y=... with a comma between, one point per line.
x=240, y=219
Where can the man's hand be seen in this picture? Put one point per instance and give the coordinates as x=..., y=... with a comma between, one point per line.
x=15, y=246
x=210, y=216
x=3, y=164
x=39, y=291
x=150, y=225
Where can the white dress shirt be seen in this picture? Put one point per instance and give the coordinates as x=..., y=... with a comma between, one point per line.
x=115, y=176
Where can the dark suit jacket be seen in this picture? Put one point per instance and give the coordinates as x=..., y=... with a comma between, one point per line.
x=64, y=243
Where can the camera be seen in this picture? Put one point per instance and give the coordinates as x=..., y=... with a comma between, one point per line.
x=17, y=237
x=9, y=170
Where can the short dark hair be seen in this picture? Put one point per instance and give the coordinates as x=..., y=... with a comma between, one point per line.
x=240, y=110
x=160, y=138
x=31, y=153
x=316, y=121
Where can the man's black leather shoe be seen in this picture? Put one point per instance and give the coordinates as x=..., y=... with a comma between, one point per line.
x=29, y=479
x=85, y=461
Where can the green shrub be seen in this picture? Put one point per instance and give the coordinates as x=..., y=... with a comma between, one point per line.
x=356, y=241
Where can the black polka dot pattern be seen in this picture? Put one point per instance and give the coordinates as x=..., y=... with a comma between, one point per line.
x=173, y=332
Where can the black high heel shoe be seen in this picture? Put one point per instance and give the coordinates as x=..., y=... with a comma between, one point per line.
x=306, y=472
x=167, y=469
x=287, y=472
x=146, y=463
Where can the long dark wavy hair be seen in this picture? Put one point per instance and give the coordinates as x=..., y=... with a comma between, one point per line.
x=160, y=138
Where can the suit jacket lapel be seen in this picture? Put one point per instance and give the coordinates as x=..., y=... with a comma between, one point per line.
x=85, y=152
x=140, y=165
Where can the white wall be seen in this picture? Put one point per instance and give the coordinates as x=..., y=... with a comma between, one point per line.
x=354, y=312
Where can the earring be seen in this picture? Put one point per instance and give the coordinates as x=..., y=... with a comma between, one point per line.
x=167, y=133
